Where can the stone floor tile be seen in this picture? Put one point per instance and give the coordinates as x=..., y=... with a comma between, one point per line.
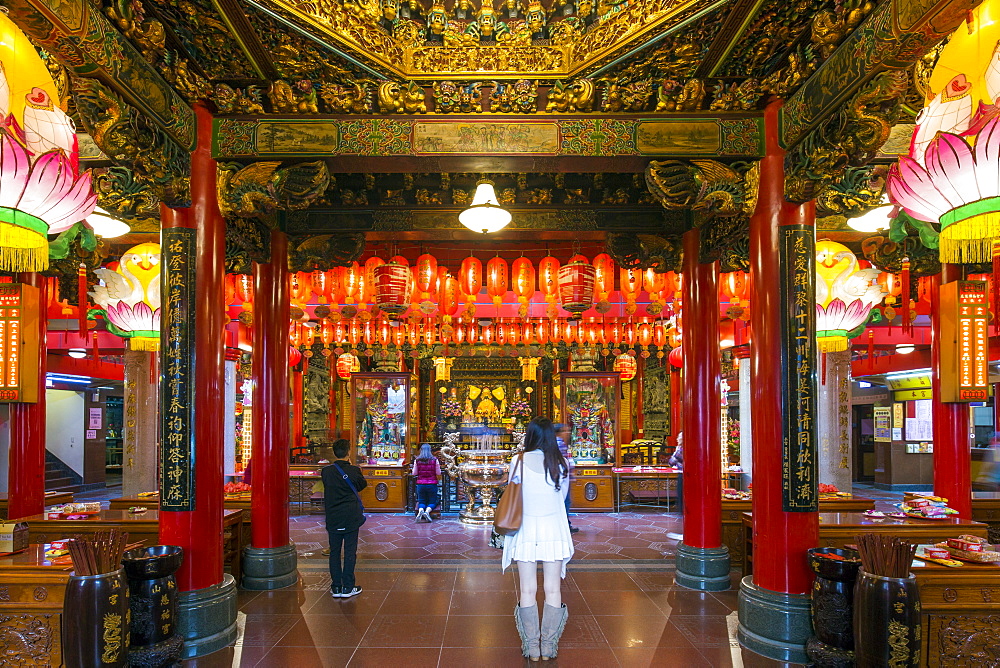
x=301, y=657
x=481, y=631
x=384, y=657
x=406, y=631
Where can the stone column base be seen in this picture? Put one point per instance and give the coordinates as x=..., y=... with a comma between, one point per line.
x=702, y=568
x=206, y=618
x=774, y=624
x=270, y=567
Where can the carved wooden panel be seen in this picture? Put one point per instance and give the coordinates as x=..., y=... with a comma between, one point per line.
x=29, y=640
x=963, y=640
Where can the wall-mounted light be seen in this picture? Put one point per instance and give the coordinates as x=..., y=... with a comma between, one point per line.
x=104, y=225
x=77, y=353
x=904, y=348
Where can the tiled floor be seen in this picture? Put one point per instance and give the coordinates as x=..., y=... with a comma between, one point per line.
x=631, y=536
x=434, y=596
x=619, y=616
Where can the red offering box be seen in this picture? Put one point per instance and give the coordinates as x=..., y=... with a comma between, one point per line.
x=966, y=545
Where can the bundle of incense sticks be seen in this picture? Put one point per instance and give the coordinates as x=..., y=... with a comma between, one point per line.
x=100, y=553
x=888, y=556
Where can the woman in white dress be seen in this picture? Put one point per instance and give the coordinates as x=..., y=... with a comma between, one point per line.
x=544, y=536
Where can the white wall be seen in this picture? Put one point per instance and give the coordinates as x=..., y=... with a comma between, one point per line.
x=64, y=421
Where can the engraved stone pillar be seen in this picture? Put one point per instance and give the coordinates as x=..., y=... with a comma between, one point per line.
x=834, y=421
x=141, y=445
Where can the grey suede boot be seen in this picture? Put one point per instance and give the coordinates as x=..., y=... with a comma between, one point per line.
x=553, y=623
x=527, y=627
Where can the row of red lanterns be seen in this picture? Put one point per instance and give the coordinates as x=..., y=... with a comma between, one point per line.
x=430, y=332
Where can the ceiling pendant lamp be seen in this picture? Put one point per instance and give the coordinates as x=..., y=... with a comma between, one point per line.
x=485, y=214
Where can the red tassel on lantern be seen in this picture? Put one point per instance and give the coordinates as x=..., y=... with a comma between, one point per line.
x=871, y=349
x=907, y=321
x=81, y=292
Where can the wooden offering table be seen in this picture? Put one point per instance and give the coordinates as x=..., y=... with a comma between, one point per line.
x=840, y=529
x=986, y=508
x=153, y=503
x=592, y=489
x=144, y=527
x=733, y=510
x=31, y=605
x=645, y=486
x=386, y=490
x=51, y=499
x=960, y=613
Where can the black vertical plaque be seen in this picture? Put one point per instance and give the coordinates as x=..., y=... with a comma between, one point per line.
x=799, y=484
x=177, y=477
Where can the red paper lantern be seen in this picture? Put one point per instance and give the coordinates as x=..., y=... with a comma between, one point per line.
x=392, y=287
x=523, y=283
x=645, y=334
x=300, y=287
x=426, y=275
x=320, y=285
x=576, y=287
x=326, y=333
x=659, y=335
x=528, y=334
x=631, y=283
x=308, y=336
x=544, y=332
x=383, y=332
x=470, y=279
x=230, y=289
x=244, y=290
x=294, y=355
x=346, y=365
x=448, y=297
x=548, y=278
x=459, y=335
x=354, y=333
x=513, y=334
x=653, y=282
x=367, y=285
x=369, y=331
x=294, y=333
x=399, y=335
x=496, y=279
x=734, y=285
x=676, y=357
x=604, y=276
x=626, y=366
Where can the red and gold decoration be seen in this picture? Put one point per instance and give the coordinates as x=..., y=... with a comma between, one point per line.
x=20, y=307
x=964, y=341
x=392, y=287
x=626, y=366
x=576, y=286
x=347, y=364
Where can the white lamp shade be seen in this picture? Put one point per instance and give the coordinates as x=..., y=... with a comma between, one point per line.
x=77, y=353
x=873, y=221
x=484, y=214
x=105, y=226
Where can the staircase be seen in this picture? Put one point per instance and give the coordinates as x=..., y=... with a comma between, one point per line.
x=59, y=477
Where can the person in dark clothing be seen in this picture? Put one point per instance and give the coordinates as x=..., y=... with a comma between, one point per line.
x=344, y=517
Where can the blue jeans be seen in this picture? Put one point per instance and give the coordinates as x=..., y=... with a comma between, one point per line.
x=427, y=496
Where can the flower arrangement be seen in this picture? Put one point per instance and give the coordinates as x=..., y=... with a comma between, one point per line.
x=519, y=408
x=451, y=409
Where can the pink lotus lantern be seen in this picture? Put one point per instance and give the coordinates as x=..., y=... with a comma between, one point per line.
x=41, y=192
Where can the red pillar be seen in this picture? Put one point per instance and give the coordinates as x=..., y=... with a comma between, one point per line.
x=199, y=531
x=780, y=538
x=26, y=463
x=269, y=501
x=702, y=428
x=952, y=453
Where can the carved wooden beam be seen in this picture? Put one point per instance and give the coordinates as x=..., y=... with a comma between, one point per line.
x=82, y=39
x=573, y=139
x=893, y=37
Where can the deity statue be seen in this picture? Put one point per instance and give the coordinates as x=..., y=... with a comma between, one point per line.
x=487, y=27
x=537, y=21
x=592, y=429
x=437, y=23
x=511, y=9
x=463, y=10
x=390, y=12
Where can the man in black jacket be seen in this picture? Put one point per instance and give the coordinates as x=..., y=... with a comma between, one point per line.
x=344, y=516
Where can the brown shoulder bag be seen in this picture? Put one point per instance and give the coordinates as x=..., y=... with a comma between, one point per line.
x=507, y=519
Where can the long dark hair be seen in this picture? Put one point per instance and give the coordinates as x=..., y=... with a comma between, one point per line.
x=541, y=436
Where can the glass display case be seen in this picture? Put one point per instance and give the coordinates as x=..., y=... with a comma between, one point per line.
x=381, y=417
x=589, y=404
